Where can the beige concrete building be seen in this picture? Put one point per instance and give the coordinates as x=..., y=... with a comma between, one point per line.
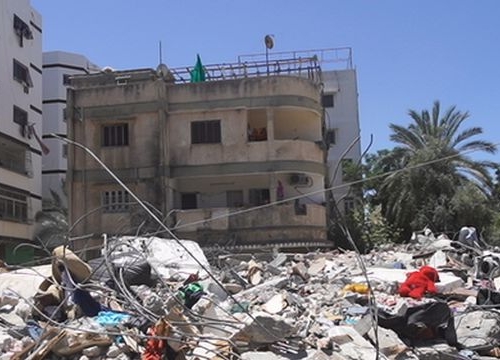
x=20, y=123
x=212, y=157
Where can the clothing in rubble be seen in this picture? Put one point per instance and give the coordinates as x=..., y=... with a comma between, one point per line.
x=158, y=349
x=191, y=293
x=432, y=320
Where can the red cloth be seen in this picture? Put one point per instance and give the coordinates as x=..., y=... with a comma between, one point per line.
x=419, y=283
x=155, y=348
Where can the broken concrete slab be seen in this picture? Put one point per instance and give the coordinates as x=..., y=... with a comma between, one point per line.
x=316, y=266
x=24, y=282
x=436, y=352
x=438, y=260
x=389, y=342
x=262, y=328
x=478, y=328
x=278, y=260
x=346, y=341
x=254, y=275
x=275, y=305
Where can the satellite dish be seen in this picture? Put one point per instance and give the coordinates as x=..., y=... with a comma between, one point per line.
x=268, y=40
x=163, y=72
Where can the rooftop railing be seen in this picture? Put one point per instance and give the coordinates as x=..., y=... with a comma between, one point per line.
x=302, y=67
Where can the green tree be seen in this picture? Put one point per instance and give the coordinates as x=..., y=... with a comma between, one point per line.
x=422, y=196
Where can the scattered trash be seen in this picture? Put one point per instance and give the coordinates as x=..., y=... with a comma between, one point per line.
x=155, y=298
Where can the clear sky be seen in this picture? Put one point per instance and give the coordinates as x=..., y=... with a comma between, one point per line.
x=407, y=53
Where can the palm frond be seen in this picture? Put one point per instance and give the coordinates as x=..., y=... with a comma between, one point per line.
x=435, y=114
x=466, y=134
x=479, y=145
x=406, y=137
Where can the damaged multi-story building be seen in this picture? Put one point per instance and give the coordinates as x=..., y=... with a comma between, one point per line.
x=236, y=160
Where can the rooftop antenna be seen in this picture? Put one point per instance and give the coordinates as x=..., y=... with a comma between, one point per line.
x=159, y=52
x=162, y=70
x=269, y=42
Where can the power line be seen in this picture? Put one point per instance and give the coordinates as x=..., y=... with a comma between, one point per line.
x=171, y=234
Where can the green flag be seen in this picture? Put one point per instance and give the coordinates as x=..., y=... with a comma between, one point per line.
x=198, y=73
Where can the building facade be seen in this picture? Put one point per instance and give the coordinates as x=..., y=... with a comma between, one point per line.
x=58, y=67
x=235, y=161
x=342, y=134
x=20, y=125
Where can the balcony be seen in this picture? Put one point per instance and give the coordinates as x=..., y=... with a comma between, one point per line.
x=274, y=225
x=258, y=151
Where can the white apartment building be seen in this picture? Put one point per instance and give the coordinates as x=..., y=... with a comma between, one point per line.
x=20, y=125
x=58, y=66
x=342, y=131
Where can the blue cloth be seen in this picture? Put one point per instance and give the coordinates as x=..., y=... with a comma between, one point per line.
x=111, y=318
x=34, y=330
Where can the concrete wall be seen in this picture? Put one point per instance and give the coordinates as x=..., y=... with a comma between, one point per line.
x=219, y=94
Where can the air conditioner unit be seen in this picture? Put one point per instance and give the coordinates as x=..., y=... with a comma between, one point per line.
x=299, y=179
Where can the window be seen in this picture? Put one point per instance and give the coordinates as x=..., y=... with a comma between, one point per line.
x=258, y=197
x=66, y=79
x=348, y=205
x=205, y=132
x=64, y=150
x=22, y=75
x=14, y=156
x=331, y=136
x=188, y=201
x=115, y=201
x=13, y=204
x=327, y=100
x=234, y=198
x=115, y=135
x=20, y=116
x=22, y=30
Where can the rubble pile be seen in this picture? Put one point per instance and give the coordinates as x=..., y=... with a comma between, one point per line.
x=153, y=298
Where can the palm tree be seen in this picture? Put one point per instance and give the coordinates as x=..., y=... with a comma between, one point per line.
x=52, y=223
x=420, y=196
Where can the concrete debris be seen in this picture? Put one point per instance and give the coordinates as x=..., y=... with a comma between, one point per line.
x=389, y=343
x=439, y=352
x=478, y=328
x=156, y=298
